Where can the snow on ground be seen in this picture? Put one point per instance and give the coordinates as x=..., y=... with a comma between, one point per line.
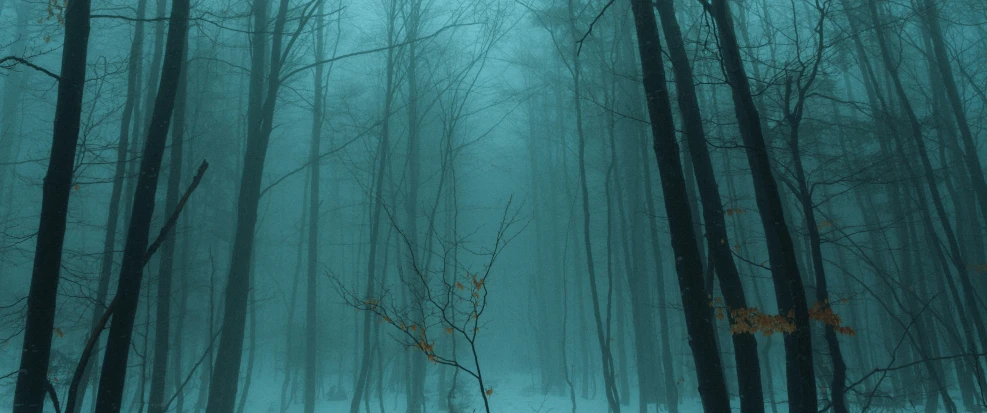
x=510, y=395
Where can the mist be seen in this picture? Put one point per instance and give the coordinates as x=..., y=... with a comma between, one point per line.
x=492, y=206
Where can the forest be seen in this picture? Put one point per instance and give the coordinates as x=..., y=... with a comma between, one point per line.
x=509, y=206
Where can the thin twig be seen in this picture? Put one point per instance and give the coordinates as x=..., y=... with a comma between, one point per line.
x=590, y=30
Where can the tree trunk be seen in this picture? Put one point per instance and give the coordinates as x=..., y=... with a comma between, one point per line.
x=29, y=393
x=688, y=263
x=159, y=370
x=602, y=332
x=113, y=376
x=261, y=104
x=721, y=257
x=134, y=67
x=789, y=290
x=9, y=116
x=311, y=319
x=931, y=14
x=416, y=385
x=375, y=219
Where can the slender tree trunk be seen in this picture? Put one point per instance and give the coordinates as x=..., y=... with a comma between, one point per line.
x=416, y=389
x=789, y=290
x=721, y=257
x=688, y=265
x=114, y=371
x=29, y=392
x=142, y=120
x=179, y=344
x=113, y=209
x=609, y=382
x=972, y=158
x=252, y=354
x=260, y=111
x=159, y=371
x=311, y=315
x=289, y=354
x=375, y=219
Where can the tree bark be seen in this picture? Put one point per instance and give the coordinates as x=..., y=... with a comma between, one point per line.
x=602, y=331
x=32, y=381
x=688, y=261
x=134, y=67
x=112, y=378
x=789, y=289
x=721, y=257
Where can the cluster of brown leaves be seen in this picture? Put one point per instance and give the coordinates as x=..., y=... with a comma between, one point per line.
x=823, y=312
x=826, y=224
x=731, y=211
x=978, y=267
x=751, y=320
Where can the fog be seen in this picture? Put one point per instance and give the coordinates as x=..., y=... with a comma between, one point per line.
x=492, y=206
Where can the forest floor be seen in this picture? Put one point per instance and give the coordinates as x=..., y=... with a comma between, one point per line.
x=512, y=395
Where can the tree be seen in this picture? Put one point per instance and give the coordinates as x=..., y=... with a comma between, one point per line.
x=112, y=379
x=717, y=241
x=797, y=87
x=688, y=263
x=311, y=319
x=789, y=290
x=448, y=307
x=162, y=337
x=32, y=381
x=260, y=118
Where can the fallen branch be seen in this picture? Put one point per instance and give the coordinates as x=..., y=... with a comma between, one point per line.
x=80, y=368
x=87, y=352
x=170, y=223
x=54, y=396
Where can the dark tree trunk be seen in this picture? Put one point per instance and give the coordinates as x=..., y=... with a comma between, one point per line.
x=29, y=392
x=721, y=257
x=113, y=376
x=789, y=290
x=688, y=265
x=134, y=67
